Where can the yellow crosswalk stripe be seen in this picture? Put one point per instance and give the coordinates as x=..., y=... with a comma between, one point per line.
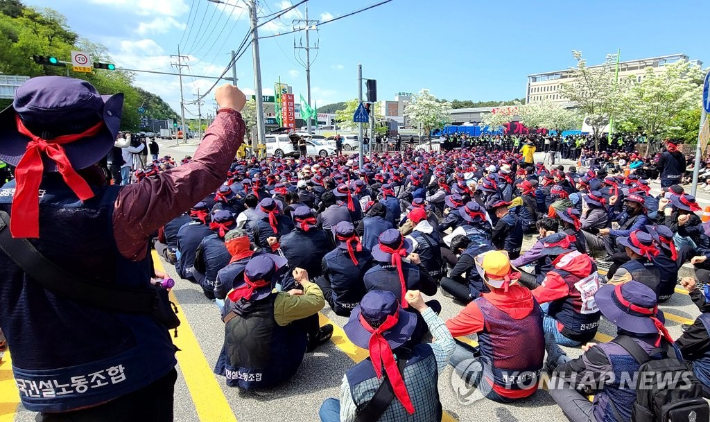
x=357, y=354
x=9, y=396
x=209, y=399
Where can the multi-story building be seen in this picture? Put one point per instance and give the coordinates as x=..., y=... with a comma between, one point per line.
x=547, y=86
x=394, y=110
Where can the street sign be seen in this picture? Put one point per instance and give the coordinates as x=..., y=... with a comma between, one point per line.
x=706, y=93
x=81, y=62
x=141, y=110
x=361, y=115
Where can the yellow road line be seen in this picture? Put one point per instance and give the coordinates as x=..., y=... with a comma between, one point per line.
x=355, y=353
x=9, y=396
x=210, y=403
x=676, y=318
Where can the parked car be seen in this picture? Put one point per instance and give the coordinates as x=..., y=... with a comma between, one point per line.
x=281, y=146
x=350, y=142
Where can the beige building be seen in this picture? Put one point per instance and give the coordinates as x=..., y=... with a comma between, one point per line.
x=547, y=86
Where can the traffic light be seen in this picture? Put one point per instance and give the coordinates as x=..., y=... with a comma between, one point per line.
x=367, y=107
x=174, y=123
x=107, y=66
x=48, y=61
x=371, y=90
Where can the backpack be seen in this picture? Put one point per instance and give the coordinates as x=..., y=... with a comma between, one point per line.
x=655, y=401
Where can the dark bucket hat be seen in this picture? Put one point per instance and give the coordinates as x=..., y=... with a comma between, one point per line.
x=631, y=306
x=260, y=277
x=471, y=211
x=639, y=242
x=453, y=201
x=558, y=244
x=374, y=308
x=391, y=239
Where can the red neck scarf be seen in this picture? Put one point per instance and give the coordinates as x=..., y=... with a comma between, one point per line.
x=671, y=246
x=564, y=243
x=25, y=204
x=397, y=255
x=474, y=214
x=445, y=187
x=381, y=355
x=647, y=251
x=387, y=192
x=222, y=228
x=281, y=191
x=527, y=188
x=247, y=289
x=306, y=223
x=353, y=244
x=693, y=205
x=351, y=204
x=614, y=188
x=238, y=247
x=221, y=197
x=651, y=312
x=200, y=215
x=599, y=199
x=575, y=219
x=273, y=221
x=547, y=182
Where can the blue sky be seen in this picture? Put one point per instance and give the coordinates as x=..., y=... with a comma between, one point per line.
x=463, y=49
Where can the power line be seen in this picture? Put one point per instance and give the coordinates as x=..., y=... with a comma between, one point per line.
x=209, y=30
x=201, y=34
x=228, y=37
x=187, y=23
x=220, y=33
x=234, y=60
x=194, y=19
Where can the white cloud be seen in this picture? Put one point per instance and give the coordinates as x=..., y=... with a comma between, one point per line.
x=159, y=26
x=325, y=16
x=293, y=73
x=337, y=67
x=146, y=47
x=149, y=7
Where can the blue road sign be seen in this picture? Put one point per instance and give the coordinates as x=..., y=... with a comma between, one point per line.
x=361, y=115
x=706, y=93
x=141, y=110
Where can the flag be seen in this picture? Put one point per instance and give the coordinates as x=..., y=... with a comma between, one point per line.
x=306, y=110
x=277, y=103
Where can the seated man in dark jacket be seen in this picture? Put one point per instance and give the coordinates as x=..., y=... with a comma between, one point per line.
x=270, y=224
x=188, y=239
x=211, y=255
x=306, y=245
x=343, y=270
x=508, y=231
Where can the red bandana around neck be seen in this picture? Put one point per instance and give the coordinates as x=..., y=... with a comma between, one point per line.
x=474, y=214
x=200, y=214
x=306, y=223
x=247, y=289
x=397, y=255
x=29, y=171
x=222, y=228
x=353, y=244
x=575, y=219
x=381, y=355
x=650, y=312
x=273, y=221
x=671, y=246
x=647, y=251
x=239, y=248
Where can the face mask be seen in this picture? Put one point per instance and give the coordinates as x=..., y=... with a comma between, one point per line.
x=632, y=210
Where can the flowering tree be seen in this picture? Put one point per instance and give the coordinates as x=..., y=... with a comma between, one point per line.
x=424, y=109
x=596, y=93
x=654, y=104
x=549, y=115
x=344, y=117
x=499, y=116
x=249, y=116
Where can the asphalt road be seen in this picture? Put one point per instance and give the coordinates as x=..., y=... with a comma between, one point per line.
x=200, y=395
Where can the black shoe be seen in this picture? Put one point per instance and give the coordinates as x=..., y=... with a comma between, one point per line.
x=324, y=334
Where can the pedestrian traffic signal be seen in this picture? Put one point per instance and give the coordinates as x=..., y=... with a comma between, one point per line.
x=48, y=61
x=367, y=107
x=107, y=66
x=174, y=123
x=371, y=90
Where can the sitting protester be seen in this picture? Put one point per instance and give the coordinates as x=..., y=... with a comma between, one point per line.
x=211, y=254
x=373, y=225
x=694, y=344
x=509, y=323
x=452, y=217
x=632, y=218
x=572, y=226
x=237, y=243
x=528, y=212
x=380, y=325
x=270, y=224
x=475, y=223
x=265, y=331
x=603, y=367
x=594, y=218
x=543, y=264
x=508, y=231
x=166, y=245
x=470, y=287
x=567, y=292
x=188, y=239
x=640, y=266
x=306, y=245
x=343, y=270
x=669, y=260
x=426, y=243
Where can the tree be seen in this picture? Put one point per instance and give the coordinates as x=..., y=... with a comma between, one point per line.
x=424, y=109
x=499, y=116
x=249, y=116
x=344, y=117
x=549, y=115
x=657, y=104
x=596, y=93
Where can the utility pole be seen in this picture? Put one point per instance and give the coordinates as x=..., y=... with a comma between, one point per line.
x=179, y=66
x=234, y=68
x=199, y=116
x=257, y=77
x=307, y=63
x=360, y=134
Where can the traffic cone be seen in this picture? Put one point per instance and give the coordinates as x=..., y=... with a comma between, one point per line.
x=706, y=214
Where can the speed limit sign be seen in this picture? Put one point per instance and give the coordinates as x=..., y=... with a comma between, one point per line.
x=81, y=62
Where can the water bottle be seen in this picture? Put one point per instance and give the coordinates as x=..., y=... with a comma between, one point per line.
x=167, y=283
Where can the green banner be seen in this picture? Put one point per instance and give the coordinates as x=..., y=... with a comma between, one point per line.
x=306, y=110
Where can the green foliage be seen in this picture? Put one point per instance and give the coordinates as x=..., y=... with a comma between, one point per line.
x=25, y=31
x=332, y=108
x=472, y=104
x=685, y=126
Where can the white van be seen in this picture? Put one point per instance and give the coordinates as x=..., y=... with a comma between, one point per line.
x=281, y=146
